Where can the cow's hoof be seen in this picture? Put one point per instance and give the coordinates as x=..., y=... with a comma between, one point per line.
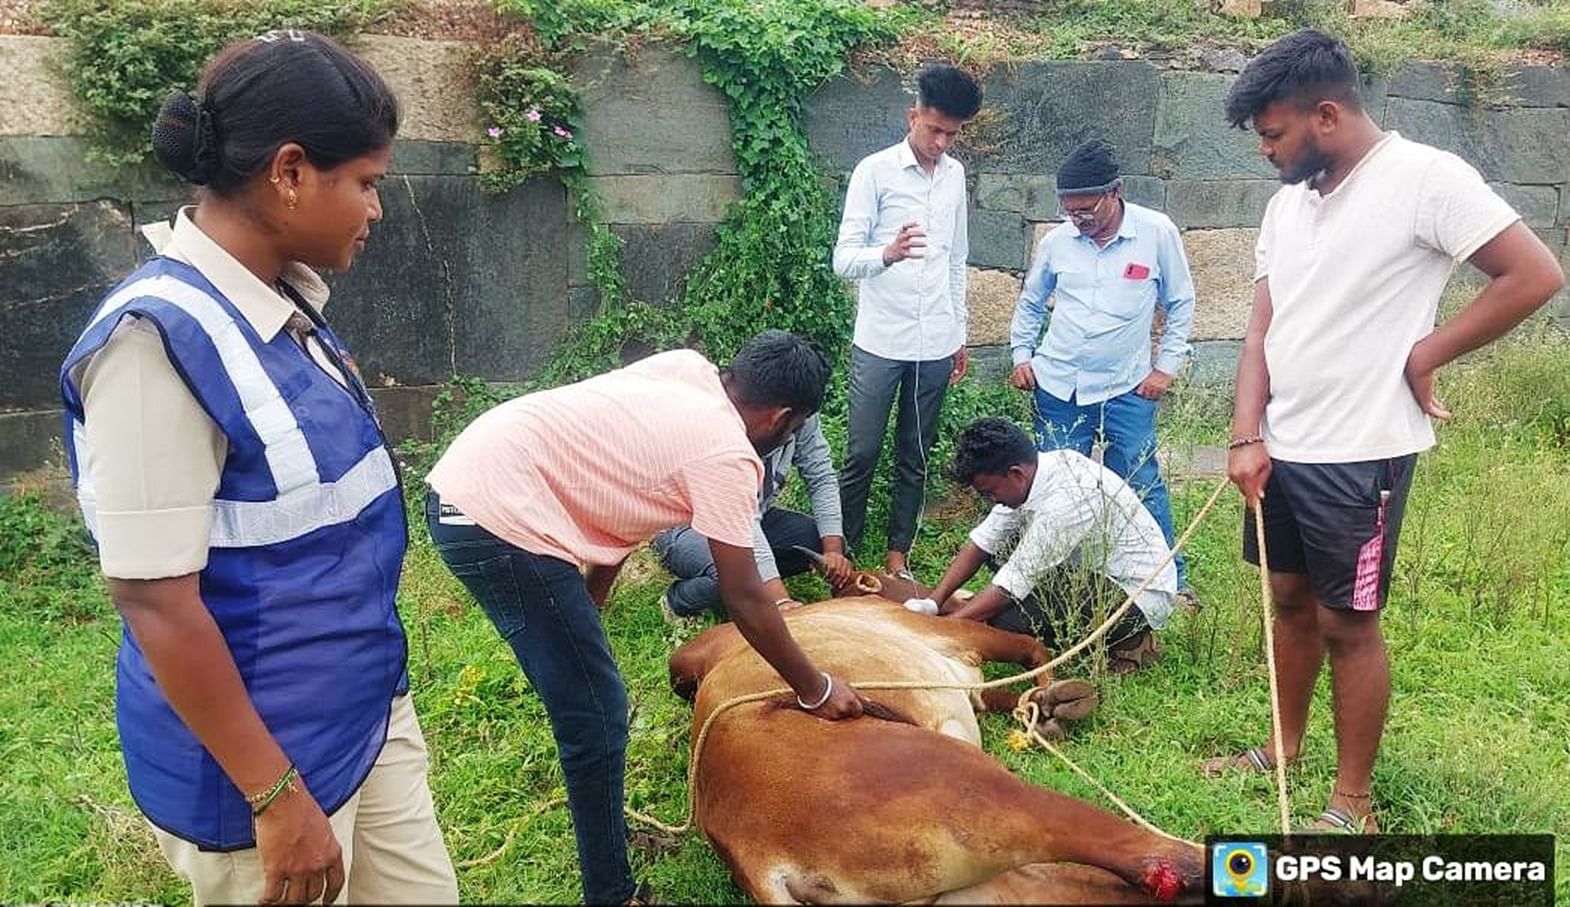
x=1066, y=700
x=1051, y=730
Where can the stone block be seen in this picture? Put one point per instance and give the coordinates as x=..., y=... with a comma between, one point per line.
x=1537, y=205
x=1193, y=140
x=675, y=198
x=1525, y=86
x=650, y=111
x=1044, y=110
x=1213, y=363
x=1424, y=80
x=1032, y=195
x=1038, y=232
x=583, y=303
x=1520, y=145
x=997, y=239
x=577, y=254
x=1242, y=9
x=421, y=158
x=57, y=262
x=457, y=280
x=1222, y=262
x=35, y=98
x=405, y=412
x=990, y=364
x=1219, y=203
x=433, y=83
x=1564, y=204
x=52, y=170
x=1539, y=86
x=1149, y=191
x=30, y=440
x=855, y=114
x=990, y=297
x=655, y=259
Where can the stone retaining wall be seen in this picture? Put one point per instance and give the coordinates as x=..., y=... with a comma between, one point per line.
x=456, y=280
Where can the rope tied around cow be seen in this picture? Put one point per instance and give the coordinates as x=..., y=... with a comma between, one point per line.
x=1027, y=712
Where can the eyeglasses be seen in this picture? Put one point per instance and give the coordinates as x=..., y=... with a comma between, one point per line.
x=1082, y=215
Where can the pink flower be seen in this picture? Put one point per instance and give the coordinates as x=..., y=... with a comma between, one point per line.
x=563, y=133
x=494, y=132
x=533, y=115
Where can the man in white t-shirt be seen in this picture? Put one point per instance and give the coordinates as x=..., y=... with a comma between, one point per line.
x=1335, y=387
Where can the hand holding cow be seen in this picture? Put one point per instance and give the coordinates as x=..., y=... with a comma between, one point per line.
x=761, y=624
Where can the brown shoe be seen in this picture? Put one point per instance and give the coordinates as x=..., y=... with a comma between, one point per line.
x=1133, y=654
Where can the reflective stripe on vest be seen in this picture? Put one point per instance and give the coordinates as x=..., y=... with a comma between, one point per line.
x=288, y=456
x=304, y=503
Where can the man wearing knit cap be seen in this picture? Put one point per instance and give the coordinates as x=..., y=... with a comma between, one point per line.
x=1103, y=271
x=903, y=237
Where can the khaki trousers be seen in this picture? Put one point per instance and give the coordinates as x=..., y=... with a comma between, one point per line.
x=392, y=848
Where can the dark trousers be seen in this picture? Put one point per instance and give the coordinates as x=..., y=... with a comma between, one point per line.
x=873, y=383
x=542, y=609
x=1067, y=606
x=686, y=554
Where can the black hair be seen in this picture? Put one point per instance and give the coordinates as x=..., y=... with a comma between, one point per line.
x=989, y=447
x=778, y=368
x=1306, y=67
x=948, y=90
x=258, y=95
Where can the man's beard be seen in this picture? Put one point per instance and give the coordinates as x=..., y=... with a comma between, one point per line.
x=1314, y=161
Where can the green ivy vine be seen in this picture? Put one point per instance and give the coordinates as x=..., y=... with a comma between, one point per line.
x=770, y=265
x=127, y=55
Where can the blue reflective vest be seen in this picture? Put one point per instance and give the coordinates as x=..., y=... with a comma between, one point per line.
x=308, y=539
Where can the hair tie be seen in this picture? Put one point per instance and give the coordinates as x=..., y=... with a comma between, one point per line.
x=204, y=160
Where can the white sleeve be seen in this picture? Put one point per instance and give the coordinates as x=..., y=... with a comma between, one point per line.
x=994, y=533
x=1049, y=540
x=1458, y=213
x=154, y=458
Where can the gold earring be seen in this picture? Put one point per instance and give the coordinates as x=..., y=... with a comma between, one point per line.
x=275, y=179
x=294, y=199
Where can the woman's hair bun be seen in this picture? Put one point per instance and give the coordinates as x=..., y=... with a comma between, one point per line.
x=185, y=139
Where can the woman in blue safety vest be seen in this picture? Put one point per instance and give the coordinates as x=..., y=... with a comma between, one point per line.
x=248, y=516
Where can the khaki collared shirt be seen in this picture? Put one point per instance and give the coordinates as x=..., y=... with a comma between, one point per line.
x=155, y=456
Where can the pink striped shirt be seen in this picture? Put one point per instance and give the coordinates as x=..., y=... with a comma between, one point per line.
x=589, y=471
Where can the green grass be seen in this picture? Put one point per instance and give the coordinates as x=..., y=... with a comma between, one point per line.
x=1476, y=34
x=1477, y=629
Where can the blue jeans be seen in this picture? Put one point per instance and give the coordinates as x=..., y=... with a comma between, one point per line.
x=542, y=609
x=1127, y=423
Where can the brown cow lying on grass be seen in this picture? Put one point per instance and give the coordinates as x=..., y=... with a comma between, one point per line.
x=908, y=809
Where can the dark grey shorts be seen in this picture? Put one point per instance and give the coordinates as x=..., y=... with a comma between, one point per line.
x=1336, y=522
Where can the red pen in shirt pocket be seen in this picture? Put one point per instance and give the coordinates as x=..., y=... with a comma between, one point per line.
x=1136, y=271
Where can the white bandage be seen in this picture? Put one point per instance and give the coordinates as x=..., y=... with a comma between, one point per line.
x=922, y=606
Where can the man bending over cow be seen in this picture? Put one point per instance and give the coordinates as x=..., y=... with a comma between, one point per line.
x=577, y=477
x=1070, y=533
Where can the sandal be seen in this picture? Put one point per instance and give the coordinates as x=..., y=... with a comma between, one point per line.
x=1135, y=654
x=1254, y=759
x=1335, y=821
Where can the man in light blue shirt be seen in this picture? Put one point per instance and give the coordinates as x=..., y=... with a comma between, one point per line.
x=1106, y=268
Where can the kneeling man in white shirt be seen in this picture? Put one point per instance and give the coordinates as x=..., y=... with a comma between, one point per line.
x=1073, y=540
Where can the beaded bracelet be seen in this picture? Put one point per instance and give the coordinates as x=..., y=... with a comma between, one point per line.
x=1235, y=443
x=260, y=802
